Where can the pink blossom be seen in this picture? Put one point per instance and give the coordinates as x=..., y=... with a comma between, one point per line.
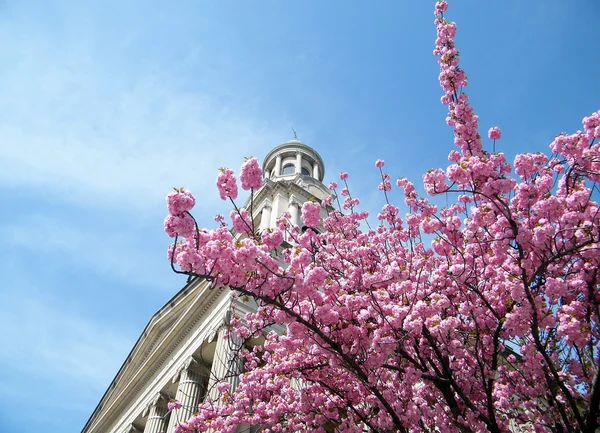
x=220, y=219
x=591, y=125
x=223, y=387
x=343, y=175
x=446, y=99
x=242, y=223
x=272, y=238
x=173, y=405
x=226, y=184
x=182, y=225
x=311, y=214
x=494, y=133
x=441, y=7
x=251, y=174
x=379, y=163
x=454, y=156
x=385, y=185
x=327, y=201
x=179, y=201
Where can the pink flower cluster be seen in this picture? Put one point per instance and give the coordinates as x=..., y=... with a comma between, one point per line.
x=440, y=8
x=311, y=214
x=494, y=133
x=251, y=174
x=242, y=223
x=180, y=201
x=591, y=124
x=173, y=405
x=227, y=184
x=385, y=184
x=223, y=387
x=272, y=238
x=181, y=225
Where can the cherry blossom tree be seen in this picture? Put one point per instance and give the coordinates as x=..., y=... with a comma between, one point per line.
x=482, y=316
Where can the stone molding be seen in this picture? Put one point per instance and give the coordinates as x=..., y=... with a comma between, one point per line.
x=132, y=390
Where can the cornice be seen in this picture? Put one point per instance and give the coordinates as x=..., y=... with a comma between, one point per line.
x=292, y=186
x=139, y=372
x=294, y=146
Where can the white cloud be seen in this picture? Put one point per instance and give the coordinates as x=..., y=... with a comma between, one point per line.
x=49, y=343
x=131, y=159
x=95, y=128
x=99, y=251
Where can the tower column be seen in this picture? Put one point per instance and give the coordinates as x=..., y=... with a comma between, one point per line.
x=157, y=415
x=278, y=166
x=298, y=162
x=227, y=365
x=265, y=217
x=189, y=392
x=294, y=209
x=316, y=171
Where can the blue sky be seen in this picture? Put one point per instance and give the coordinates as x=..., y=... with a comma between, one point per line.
x=105, y=106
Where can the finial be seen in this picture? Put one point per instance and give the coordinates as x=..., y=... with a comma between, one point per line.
x=295, y=135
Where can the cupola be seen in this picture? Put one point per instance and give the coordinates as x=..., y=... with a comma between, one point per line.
x=292, y=158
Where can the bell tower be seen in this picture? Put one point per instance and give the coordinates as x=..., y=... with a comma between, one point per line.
x=293, y=173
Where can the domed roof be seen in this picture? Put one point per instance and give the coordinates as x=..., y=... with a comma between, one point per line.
x=289, y=148
x=294, y=141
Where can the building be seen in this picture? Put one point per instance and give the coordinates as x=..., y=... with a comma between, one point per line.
x=182, y=352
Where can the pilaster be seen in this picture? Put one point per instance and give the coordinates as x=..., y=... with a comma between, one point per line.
x=226, y=366
x=189, y=393
x=294, y=208
x=298, y=162
x=265, y=218
x=157, y=415
x=277, y=166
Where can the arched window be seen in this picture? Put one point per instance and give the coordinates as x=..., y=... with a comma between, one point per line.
x=305, y=171
x=288, y=169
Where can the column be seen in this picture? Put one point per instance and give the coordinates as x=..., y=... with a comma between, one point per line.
x=294, y=205
x=298, y=162
x=265, y=218
x=189, y=392
x=294, y=212
x=278, y=166
x=226, y=366
x=157, y=416
x=316, y=171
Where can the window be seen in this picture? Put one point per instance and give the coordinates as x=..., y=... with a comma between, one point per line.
x=305, y=171
x=288, y=169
